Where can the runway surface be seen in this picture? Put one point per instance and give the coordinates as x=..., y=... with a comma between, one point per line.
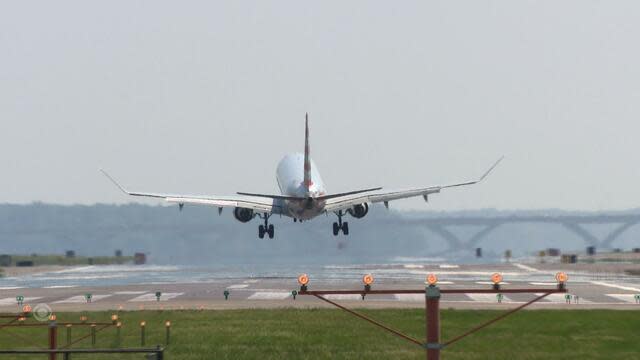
x=135, y=287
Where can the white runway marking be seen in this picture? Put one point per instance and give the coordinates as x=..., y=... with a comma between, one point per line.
x=152, y=297
x=253, y=281
x=344, y=297
x=238, y=286
x=628, y=288
x=60, y=287
x=129, y=292
x=11, y=287
x=445, y=283
x=525, y=267
x=490, y=283
x=448, y=266
x=544, y=283
x=410, y=297
x=269, y=296
x=12, y=300
x=560, y=299
x=489, y=298
x=78, y=299
x=624, y=297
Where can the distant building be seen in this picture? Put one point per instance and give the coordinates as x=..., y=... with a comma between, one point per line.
x=139, y=258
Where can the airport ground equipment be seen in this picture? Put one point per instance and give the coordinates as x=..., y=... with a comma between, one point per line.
x=433, y=344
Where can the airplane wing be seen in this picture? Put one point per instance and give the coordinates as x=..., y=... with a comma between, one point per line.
x=247, y=202
x=344, y=203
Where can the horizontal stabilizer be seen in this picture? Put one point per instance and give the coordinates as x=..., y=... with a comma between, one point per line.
x=323, y=197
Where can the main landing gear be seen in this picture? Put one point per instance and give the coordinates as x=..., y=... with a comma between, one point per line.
x=266, y=228
x=337, y=226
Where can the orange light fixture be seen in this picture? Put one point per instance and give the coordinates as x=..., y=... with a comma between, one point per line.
x=303, y=279
x=367, y=279
x=26, y=309
x=432, y=279
x=562, y=277
x=496, y=278
x=167, y=324
x=143, y=323
x=52, y=317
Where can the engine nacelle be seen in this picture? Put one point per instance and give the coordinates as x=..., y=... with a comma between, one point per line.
x=359, y=211
x=243, y=215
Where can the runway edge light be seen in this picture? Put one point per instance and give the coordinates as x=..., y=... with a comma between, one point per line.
x=432, y=279
x=562, y=278
x=303, y=280
x=367, y=280
x=496, y=279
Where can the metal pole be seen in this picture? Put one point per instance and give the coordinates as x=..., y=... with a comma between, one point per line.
x=53, y=339
x=67, y=356
x=432, y=314
x=93, y=335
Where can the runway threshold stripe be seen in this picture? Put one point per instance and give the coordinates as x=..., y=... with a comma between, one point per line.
x=12, y=300
x=630, y=298
x=152, y=297
x=490, y=283
x=238, y=286
x=489, y=298
x=621, y=287
x=269, y=296
x=79, y=299
x=410, y=297
x=560, y=299
x=344, y=297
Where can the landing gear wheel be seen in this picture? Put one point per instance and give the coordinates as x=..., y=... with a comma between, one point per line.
x=271, y=231
x=336, y=229
x=261, y=231
x=345, y=228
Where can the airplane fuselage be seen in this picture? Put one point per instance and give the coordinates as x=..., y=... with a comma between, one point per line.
x=289, y=175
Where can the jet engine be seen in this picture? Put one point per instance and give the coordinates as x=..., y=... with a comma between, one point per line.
x=359, y=211
x=243, y=215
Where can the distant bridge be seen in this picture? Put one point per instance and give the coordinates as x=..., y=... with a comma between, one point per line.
x=575, y=224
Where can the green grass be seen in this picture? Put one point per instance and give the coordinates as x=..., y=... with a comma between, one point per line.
x=328, y=333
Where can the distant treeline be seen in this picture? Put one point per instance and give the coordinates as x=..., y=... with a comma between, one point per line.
x=197, y=235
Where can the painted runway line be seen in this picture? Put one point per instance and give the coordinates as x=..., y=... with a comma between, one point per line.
x=80, y=299
x=13, y=301
x=269, y=296
x=630, y=298
x=344, y=297
x=616, y=286
x=238, y=286
x=489, y=298
x=152, y=297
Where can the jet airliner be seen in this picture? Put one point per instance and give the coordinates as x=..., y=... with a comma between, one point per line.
x=303, y=195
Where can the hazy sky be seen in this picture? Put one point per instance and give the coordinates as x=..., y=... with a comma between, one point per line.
x=206, y=97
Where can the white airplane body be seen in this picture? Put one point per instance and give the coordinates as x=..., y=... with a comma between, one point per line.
x=303, y=195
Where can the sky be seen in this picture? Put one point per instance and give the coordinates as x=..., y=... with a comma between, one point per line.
x=205, y=97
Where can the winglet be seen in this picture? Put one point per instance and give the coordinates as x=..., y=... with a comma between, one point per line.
x=490, y=169
x=115, y=182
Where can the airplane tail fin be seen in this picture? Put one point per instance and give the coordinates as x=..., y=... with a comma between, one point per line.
x=307, y=161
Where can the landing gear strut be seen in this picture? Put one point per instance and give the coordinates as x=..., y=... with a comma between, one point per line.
x=337, y=226
x=266, y=228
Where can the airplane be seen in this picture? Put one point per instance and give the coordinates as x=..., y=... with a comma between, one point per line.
x=302, y=197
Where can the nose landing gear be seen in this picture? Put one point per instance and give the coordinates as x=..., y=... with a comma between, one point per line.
x=337, y=226
x=266, y=228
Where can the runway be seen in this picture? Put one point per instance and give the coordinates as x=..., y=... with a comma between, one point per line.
x=588, y=288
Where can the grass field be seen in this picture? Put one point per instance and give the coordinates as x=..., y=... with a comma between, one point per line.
x=324, y=334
